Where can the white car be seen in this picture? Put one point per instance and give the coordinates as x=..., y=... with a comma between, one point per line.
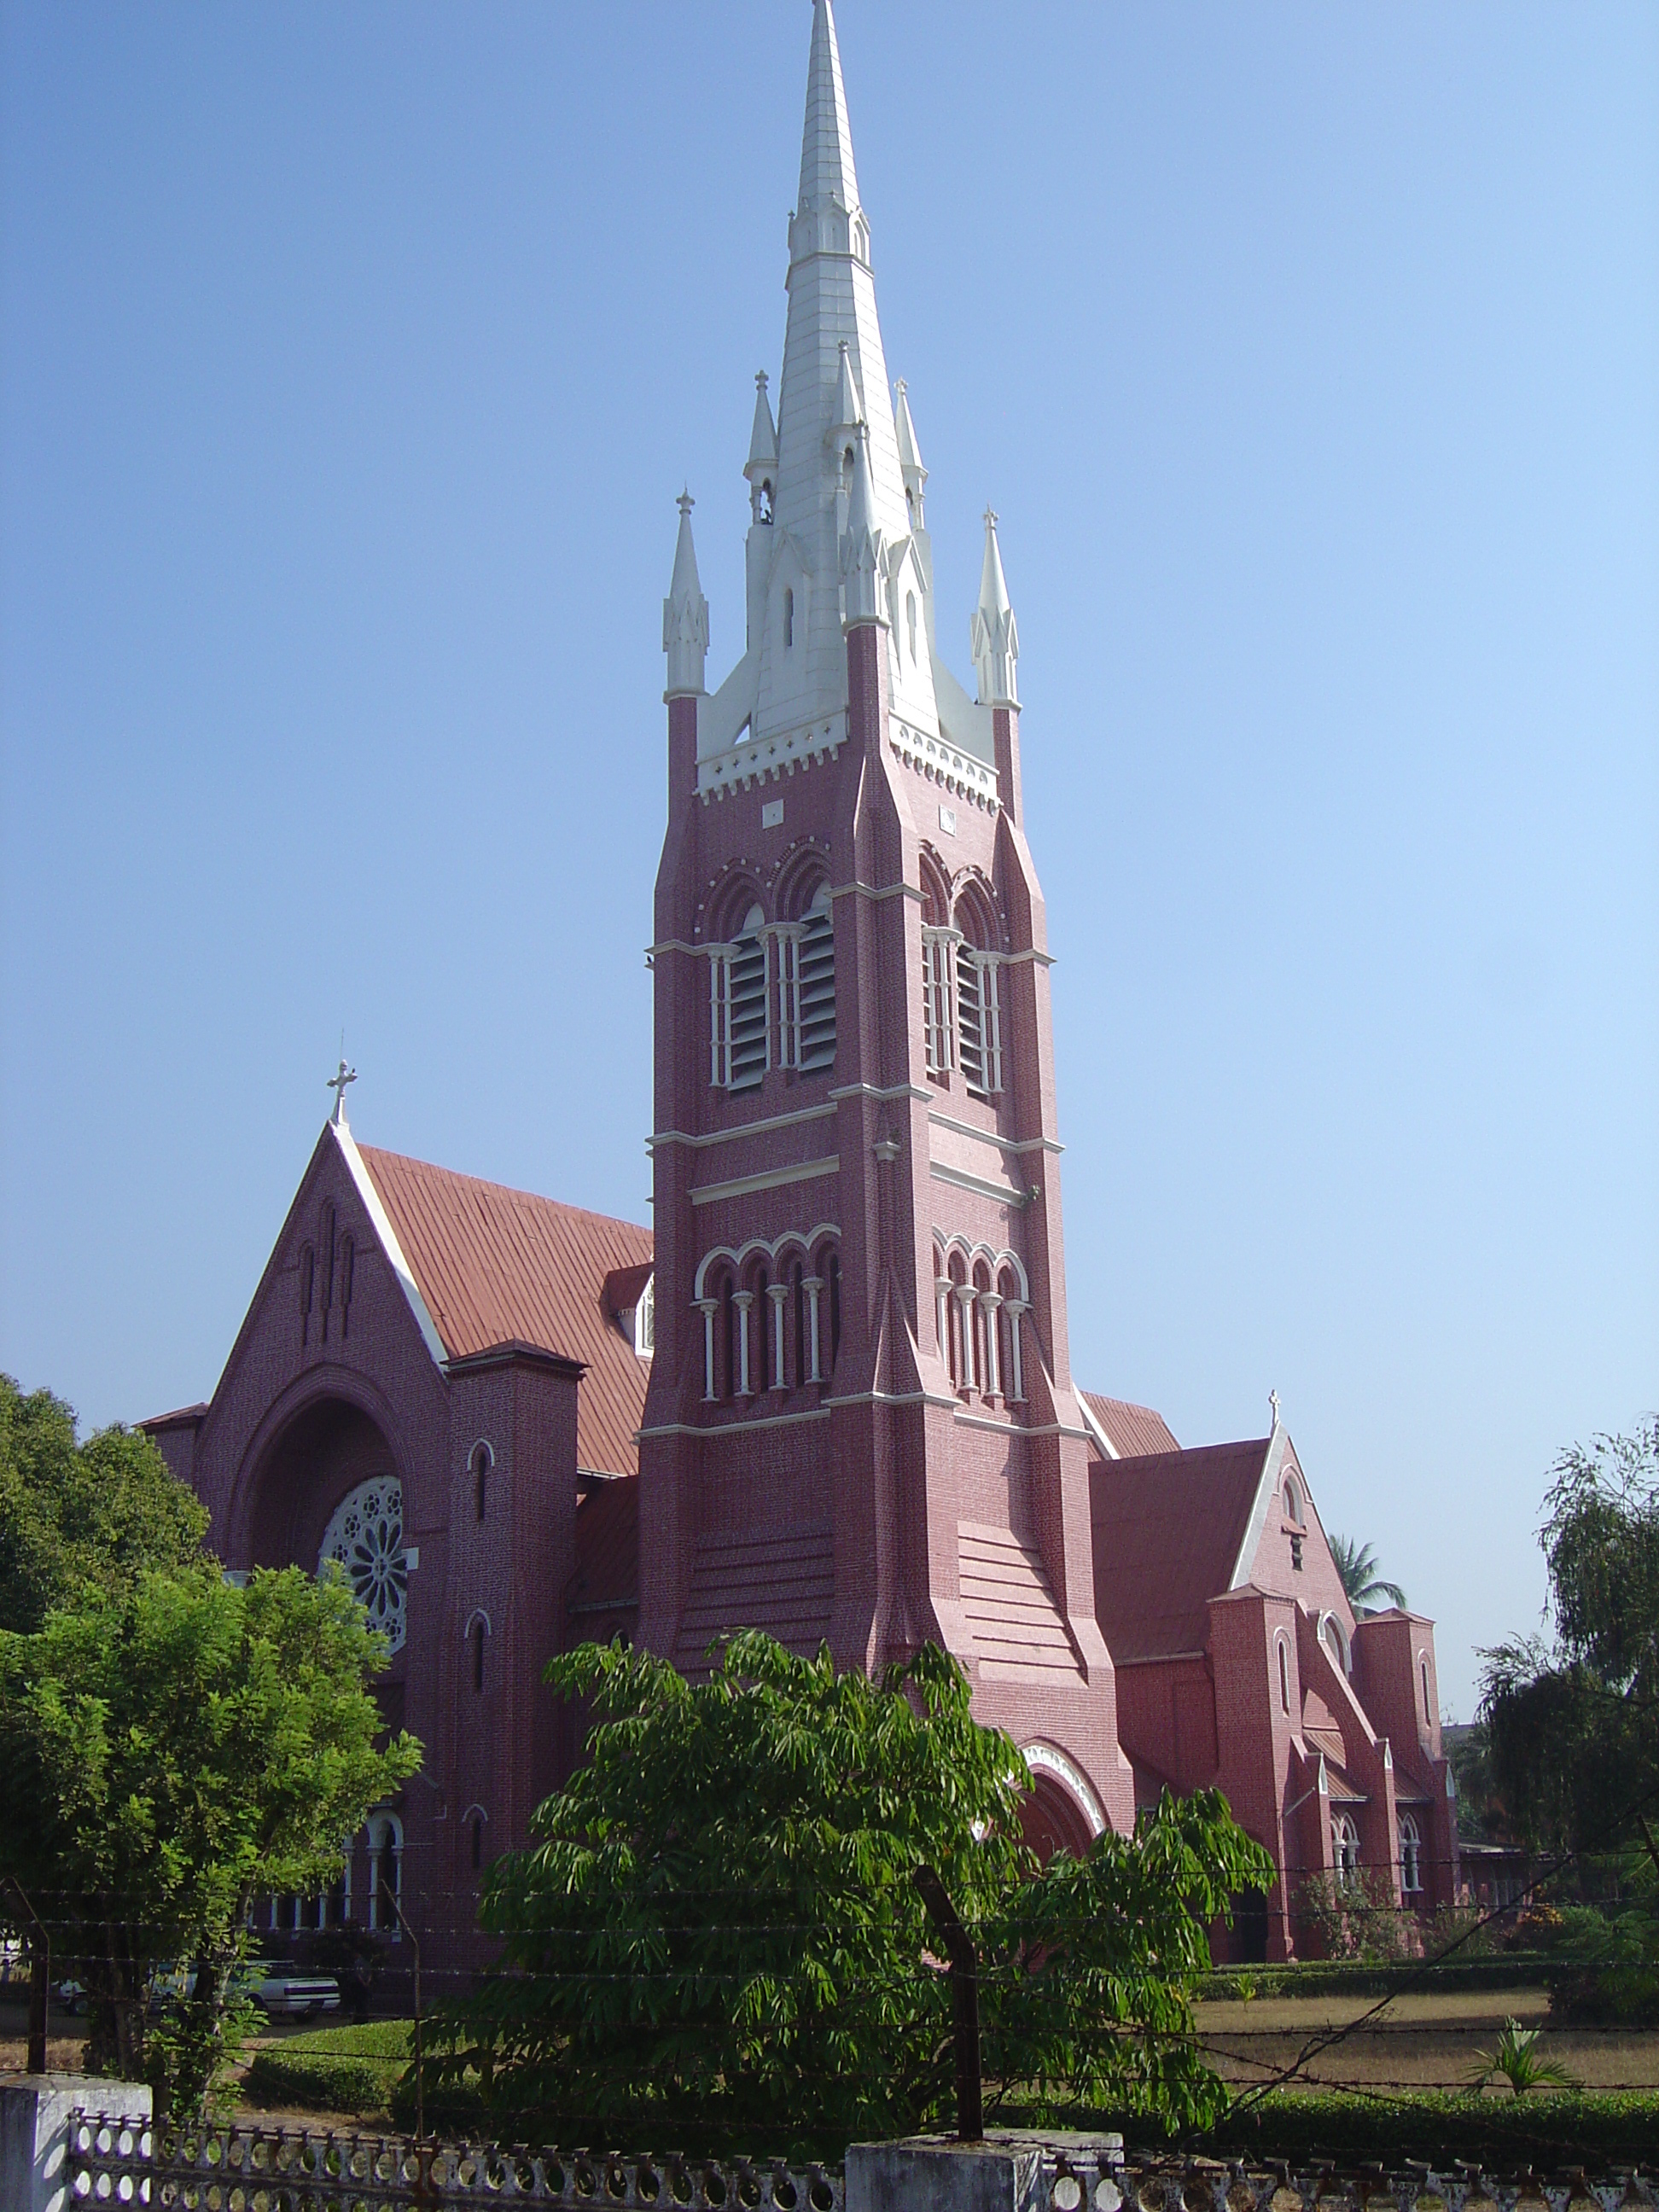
x=284, y=1992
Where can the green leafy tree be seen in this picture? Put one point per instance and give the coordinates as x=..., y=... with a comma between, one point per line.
x=171, y=1748
x=1361, y=1578
x=1573, y=1726
x=718, y=1930
x=72, y=1513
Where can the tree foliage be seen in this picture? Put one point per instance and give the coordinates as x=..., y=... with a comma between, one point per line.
x=73, y=1513
x=1363, y=1580
x=718, y=1930
x=171, y=1747
x=1573, y=1726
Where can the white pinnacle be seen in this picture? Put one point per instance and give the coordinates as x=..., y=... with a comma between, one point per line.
x=685, y=615
x=994, y=635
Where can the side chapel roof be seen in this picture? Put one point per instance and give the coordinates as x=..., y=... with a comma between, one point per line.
x=495, y=1266
x=1168, y=1528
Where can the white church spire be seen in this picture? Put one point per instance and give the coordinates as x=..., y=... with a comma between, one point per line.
x=827, y=174
x=685, y=615
x=994, y=635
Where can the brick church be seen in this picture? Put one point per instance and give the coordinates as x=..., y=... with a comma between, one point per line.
x=832, y=1396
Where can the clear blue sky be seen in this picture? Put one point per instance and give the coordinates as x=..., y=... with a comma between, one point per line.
x=352, y=359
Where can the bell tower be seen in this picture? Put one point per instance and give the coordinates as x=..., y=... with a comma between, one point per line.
x=862, y=1424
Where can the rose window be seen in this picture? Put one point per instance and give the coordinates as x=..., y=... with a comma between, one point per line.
x=366, y=1540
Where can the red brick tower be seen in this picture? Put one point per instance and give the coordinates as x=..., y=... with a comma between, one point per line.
x=861, y=1423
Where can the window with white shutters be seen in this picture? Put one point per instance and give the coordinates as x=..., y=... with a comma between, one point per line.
x=740, y=1033
x=936, y=998
x=979, y=1022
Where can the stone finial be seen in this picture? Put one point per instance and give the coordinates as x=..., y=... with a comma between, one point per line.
x=995, y=635
x=685, y=616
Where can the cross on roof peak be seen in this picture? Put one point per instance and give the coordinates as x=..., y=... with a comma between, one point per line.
x=337, y=1084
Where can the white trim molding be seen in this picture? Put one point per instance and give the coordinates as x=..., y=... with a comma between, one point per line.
x=1048, y=1759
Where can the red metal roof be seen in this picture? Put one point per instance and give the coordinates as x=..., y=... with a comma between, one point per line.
x=497, y=1266
x=1133, y=1430
x=1167, y=1531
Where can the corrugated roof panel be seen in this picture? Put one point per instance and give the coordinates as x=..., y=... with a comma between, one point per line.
x=496, y=1266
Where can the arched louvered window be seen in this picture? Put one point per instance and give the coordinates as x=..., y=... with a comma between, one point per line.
x=812, y=987
x=740, y=1034
x=979, y=1012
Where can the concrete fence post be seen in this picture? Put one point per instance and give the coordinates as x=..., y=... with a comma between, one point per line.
x=34, y=2131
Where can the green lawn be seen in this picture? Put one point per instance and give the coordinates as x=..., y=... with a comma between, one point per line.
x=375, y=2038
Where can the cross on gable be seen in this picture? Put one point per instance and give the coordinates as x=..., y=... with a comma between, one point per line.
x=337, y=1084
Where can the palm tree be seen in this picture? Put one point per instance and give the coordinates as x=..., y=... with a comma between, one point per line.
x=1357, y=1564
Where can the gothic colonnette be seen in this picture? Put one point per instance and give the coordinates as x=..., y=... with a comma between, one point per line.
x=832, y=1396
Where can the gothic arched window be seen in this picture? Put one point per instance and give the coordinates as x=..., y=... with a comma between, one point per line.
x=482, y=1460
x=1344, y=1849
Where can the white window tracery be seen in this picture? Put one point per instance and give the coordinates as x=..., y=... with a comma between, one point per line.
x=365, y=1540
x=1344, y=1849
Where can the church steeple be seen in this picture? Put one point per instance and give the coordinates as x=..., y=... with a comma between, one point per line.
x=828, y=177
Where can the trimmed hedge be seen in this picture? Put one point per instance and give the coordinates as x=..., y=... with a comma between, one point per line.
x=316, y=2081
x=1579, y=2127
x=1322, y=1977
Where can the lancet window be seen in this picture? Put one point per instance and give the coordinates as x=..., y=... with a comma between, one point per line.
x=979, y=1013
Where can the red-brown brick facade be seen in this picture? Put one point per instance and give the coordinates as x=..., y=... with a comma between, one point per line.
x=833, y=1395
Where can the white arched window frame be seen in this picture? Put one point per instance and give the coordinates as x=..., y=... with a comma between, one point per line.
x=1344, y=1849
x=1411, y=1856
x=817, y=1251
x=386, y=1873
x=1293, y=1503
x=1282, y=1644
x=1336, y=1642
x=1423, y=1676
x=740, y=1007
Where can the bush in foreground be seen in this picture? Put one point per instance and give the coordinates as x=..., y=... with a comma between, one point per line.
x=718, y=1938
